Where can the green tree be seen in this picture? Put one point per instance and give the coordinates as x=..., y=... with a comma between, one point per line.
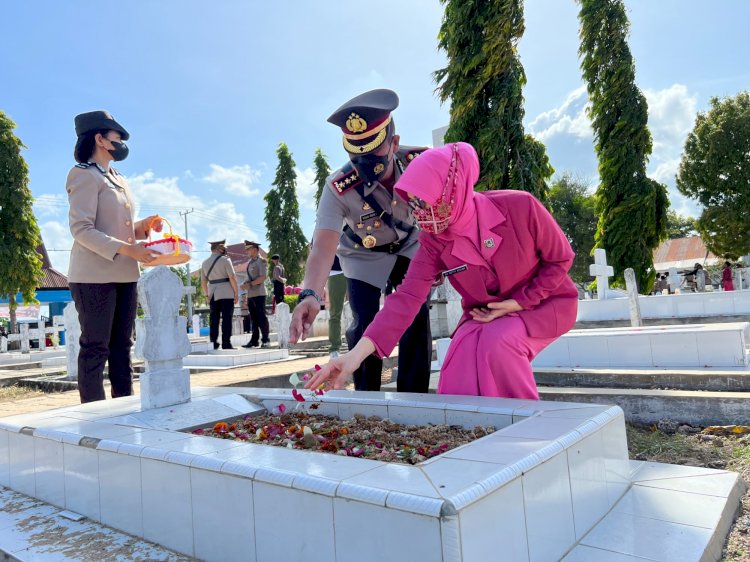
x=322, y=171
x=284, y=233
x=484, y=82
x=574, y=209
x=715, y=170
x=632, y=207
x=199, y=299
x=679, y=226
x=20, y=264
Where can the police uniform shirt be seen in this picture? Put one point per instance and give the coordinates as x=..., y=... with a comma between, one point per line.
x=278, y=273
x=222, y=270
x=101, y=220
x=256, y=268
x=340, y=205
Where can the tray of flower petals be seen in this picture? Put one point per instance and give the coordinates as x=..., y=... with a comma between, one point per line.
x=368, y=438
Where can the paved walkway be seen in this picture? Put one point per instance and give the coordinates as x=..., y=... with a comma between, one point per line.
x=229, y=377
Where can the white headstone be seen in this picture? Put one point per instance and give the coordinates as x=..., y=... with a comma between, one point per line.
x=25, y=348
x=284, y=319
x=72, y=339
x=3, y=344
x=161, y=340
x=41, y=337
x=700, y=280
x=602, y=272
x=195, y=323
x=675, y=279
x=346, y=317
x=454, y=309
x=635, y=308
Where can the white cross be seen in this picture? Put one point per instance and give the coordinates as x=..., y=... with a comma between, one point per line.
x=602, y=272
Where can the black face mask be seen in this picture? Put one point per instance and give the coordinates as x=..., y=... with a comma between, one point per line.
x=372, y=168
x=120, y=152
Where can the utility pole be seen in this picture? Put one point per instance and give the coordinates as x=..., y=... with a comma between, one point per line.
x=188, y=281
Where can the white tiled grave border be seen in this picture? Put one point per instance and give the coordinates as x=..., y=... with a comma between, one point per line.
x=532, y=491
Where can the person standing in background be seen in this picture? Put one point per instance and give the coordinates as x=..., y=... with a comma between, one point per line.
x=726, y=277
x=220, y=284
x=277, y=276
x=257, y=273
x=336, y=298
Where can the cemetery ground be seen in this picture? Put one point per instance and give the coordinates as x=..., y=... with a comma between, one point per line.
x=667, y=442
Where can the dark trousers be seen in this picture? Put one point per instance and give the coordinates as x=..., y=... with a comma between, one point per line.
x=247, y=323
x=278, y=292
x=106, y=312
x=221, y=309
x=257, y=306
x=415, y=345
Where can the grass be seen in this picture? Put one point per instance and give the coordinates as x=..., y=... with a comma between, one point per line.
x=15, y=392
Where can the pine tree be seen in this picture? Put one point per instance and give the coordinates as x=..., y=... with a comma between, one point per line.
x=284, y=233
x=484, y=81
x=322, y=171
x=632, y=208
x=20, y=264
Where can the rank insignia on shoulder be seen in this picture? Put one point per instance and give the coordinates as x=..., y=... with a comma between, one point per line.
x=83, y=166
x=412, y=154
x=346, y=180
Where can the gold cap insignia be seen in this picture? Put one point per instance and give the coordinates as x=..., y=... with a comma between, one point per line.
x=356, y=124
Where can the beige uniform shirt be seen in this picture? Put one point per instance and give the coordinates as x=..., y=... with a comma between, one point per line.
x=222, y=270
x=256, y=268
x=341, y=204
x=101, y=219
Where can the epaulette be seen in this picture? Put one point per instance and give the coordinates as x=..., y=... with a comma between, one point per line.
x=347, y=179
x=409, y=153
x=83, y=166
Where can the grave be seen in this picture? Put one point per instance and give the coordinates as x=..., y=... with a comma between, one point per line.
x=554, y=482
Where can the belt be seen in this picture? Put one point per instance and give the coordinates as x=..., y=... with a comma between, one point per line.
x=215, y=281
x=391, y=248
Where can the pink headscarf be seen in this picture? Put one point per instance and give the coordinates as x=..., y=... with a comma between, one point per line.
x=426, y=178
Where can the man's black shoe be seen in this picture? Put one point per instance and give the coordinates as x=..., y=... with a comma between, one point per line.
x=229, y=347
x=249, y=345
x=265, y=344
x=216, y=345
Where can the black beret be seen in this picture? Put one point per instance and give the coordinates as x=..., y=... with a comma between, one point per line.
x=98, y=121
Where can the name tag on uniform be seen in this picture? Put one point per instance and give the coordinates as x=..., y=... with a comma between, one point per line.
x=455, y=270
x=370, y=215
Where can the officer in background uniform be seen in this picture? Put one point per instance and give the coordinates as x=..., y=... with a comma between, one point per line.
x=278, y=279
x=257, y=273
x=220, y=284
x=378, y=240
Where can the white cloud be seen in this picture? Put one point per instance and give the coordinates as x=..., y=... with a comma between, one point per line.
x=211, y=220
x=306, y=188
x=570, y=118
x=58, y=241
x=671, y=116
x=237, y=180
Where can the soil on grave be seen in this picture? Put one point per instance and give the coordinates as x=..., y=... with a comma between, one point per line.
x=368, y=438
x=710, y=448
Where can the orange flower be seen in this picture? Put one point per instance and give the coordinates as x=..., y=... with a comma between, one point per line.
x=221, y=427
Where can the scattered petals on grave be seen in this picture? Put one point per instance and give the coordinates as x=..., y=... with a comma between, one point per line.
x=369, y=438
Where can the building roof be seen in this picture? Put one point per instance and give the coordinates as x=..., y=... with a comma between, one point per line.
x=683, y=253
x=52, y=279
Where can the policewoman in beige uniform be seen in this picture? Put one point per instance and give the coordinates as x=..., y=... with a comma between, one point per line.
x=104, y=270
x=378, y=240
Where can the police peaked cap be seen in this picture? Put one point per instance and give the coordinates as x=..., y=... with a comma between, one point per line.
x=98, y=121
x=366, y=120
x=249, y=244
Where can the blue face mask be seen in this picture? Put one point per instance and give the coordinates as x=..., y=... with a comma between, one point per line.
x=372, y=167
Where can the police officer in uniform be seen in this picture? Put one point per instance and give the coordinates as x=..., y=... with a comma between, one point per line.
x=104, y=260
x=220, y=284
x=378, y=241
x=257, y=273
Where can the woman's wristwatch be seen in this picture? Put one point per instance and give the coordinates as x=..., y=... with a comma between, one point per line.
x=308, y=293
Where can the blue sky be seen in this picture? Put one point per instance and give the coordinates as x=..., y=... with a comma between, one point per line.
x=208, y=90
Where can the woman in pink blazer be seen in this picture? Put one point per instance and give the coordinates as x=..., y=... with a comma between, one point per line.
x=506, y=256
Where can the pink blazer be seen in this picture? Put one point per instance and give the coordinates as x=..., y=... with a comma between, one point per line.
x=530, y=265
